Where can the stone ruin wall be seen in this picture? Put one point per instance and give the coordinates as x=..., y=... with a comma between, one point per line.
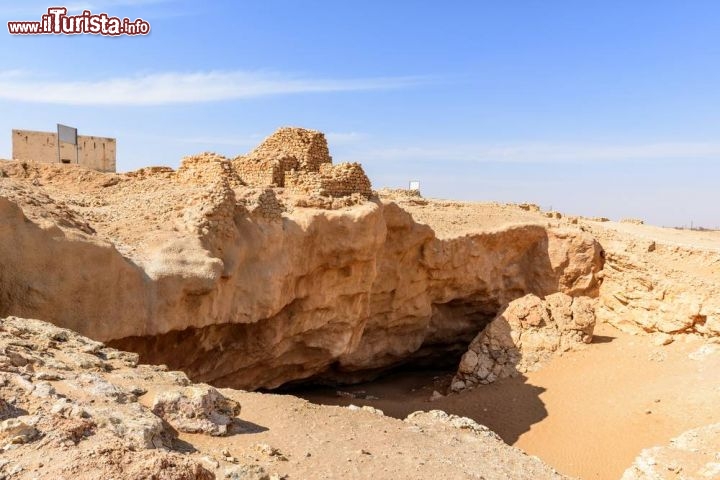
x=331, y=181
x=208, y=168
x=260, y=172
x=299, y=160
x=309, y=147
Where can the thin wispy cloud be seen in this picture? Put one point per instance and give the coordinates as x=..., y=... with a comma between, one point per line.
x=345, y=138
x=240, y=140
x=179, y=88
x=551, y=153
x=32, y=9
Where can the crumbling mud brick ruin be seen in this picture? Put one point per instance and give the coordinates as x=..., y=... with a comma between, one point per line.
x=299, y=160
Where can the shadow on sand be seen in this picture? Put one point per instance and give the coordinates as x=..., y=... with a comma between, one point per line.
x=509, y=406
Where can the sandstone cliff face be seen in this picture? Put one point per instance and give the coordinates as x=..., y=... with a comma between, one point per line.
x=217, y=287
x=344, y=294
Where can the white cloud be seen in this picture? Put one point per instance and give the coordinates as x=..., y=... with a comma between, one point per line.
x=175, y=88
x=345, y=138
x=544, y=152
x=240, y=140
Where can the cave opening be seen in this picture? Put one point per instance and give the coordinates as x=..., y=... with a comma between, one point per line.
x=247, y=356
x=421, y=380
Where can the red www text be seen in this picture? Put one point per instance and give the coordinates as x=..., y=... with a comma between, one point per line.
x=58, y=22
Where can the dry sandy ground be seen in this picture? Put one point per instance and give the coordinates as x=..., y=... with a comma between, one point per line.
x=587, y=413
x=73, y=409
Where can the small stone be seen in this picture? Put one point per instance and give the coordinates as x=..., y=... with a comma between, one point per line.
x=457, y=386
x=43, y=390
x=138, y=391
x=662, y=339
x=436, y=396
x=210, y=462
x=373, y=410
x=59, y=335
x=246, y=472
x=16, y=431
x=469, y=362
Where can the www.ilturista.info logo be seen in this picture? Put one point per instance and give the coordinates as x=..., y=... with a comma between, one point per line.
x=58, y=22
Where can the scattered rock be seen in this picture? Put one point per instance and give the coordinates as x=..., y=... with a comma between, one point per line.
x=436, y=396
x=367, y=408
x=269, y=451
x=16, y=431
x=196, y=409
x=48, y=376
x=690, y=456
x=662, y=339
x=246, y=472
x=434, y=417
x=98, y=386
x=703, y=352
x=210, y=463
x=137, y=426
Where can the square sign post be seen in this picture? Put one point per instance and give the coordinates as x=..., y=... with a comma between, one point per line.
x=414, y=185
x=68, y=135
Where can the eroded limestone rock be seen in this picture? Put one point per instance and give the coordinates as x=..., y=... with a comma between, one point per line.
x=658, y=285
x=15, y=430
x=135, y=425
x=196, y=409
x=694, y=455
x=92, y=427
x=206, y=285
x=524, y=335
x=435, y=417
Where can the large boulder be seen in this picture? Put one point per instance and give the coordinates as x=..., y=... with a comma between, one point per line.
x=524, y=335
x=196, y=409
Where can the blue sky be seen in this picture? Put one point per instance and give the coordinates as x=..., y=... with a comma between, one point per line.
x=596, y=108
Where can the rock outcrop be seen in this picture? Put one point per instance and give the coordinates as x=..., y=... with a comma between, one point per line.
x=199, y=271
x=73, y=398
x=523, y=336
x=73, y=408
x=690, y=456
x=652, y=285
